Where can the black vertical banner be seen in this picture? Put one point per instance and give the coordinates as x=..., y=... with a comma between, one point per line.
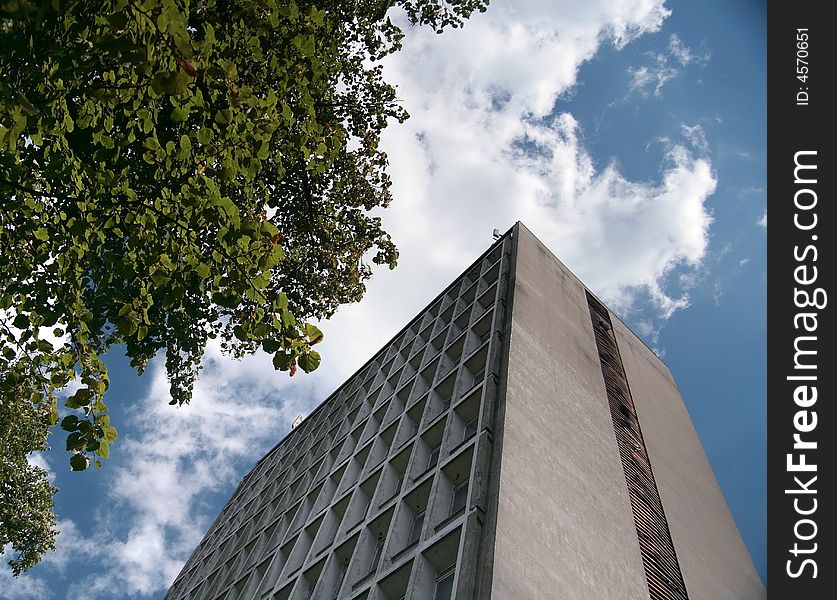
x=802, y=436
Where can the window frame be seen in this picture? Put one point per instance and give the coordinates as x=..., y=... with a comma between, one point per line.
x=377, y=554
x=447, y=574
x=473, y=421
x=432, y=461
x=457, y=488
x=415, y=536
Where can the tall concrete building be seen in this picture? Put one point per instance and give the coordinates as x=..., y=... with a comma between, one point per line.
x=514, y=441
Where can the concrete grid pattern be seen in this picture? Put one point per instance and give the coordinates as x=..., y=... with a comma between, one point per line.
x=383, y=488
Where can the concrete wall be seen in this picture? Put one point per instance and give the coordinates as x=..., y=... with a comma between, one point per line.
x=712, y=556
x=564, y=524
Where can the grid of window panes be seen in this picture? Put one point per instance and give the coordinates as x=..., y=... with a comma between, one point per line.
x=381, y=492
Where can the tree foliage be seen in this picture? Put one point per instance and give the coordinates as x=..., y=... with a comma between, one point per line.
x=175, y=171
x=26, y=519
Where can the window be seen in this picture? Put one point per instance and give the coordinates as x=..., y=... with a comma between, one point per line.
x=460, y=497
x=376, y=556
x=415, y=528
x=434, y=457
x=471, y=427
x=399, y=483
x=444, y=585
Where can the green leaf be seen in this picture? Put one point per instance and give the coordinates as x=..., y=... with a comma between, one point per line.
x=287, y=318
x=280, y=302
x=225, y=299
x=69, y=423
x=262, y=281
x=53, y=411
x=110, y=434
x=176, y=84
x=42, y=234
x=159, y=278
x=178, y=115
x=81, y=398
x=228, y=206
x=102, y=449
x=79, y=462
x=74, y=441
x=313, y=333
x=202, y=270
x=270, y=346
x=282, y=361
x=310, y=361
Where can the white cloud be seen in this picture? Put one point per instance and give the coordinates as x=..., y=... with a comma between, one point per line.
x=696, y=137
x=591, y=220
x=662, y=67
x=26, y=587
x=650, y=79
x=717, y=292
x=683, y=54
x=644, y=328
x=71, y=545
x=480, y=152
x=762, y=222
x=679, y=51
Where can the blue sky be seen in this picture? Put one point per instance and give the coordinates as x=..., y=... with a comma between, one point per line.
x=629, y=136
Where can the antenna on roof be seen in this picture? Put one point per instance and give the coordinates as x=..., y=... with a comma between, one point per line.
x=496, y=234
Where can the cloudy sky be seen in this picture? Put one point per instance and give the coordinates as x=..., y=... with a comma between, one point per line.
x=628, y=135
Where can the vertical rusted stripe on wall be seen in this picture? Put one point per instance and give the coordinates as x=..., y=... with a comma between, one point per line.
x=662, y=571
